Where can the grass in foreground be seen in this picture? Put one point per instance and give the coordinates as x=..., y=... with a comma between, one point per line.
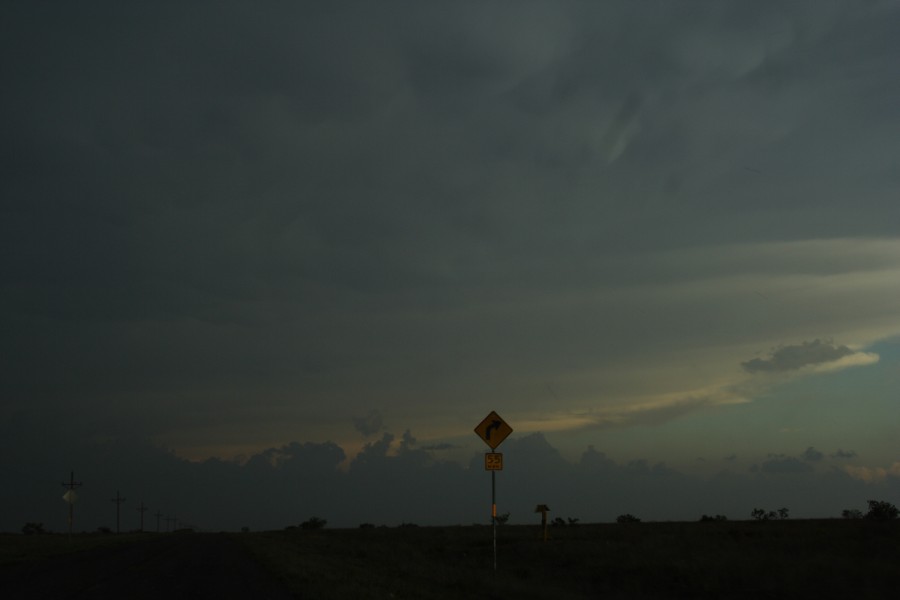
x=804, y=559
x=17, y=548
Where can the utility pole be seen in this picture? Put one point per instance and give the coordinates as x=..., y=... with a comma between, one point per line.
x=70, y=497
x=157, y=515
x=142, y=510
x=171, y=522
x=118, y=500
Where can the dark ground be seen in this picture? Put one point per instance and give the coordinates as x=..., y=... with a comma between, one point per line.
x=735, y=560
x=168, y=567
x=741, y=560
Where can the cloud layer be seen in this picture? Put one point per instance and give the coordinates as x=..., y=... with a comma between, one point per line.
x=393, y=481
x=790, y=358
x=227, y=229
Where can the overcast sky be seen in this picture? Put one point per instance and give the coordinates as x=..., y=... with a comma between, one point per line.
x=248, y=242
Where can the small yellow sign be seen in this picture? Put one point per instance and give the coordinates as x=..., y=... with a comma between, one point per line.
x=493, y=461
x=493, y=430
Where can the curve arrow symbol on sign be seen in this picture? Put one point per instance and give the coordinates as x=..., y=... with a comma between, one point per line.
x=493, y=430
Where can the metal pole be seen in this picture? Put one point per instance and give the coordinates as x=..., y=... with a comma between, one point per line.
x=494, y=513
x=142, y=509
x=118, y=500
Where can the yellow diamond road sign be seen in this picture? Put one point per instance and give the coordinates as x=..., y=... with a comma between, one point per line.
x=493, y=430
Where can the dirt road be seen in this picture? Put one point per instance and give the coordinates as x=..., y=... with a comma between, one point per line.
x=171, y=567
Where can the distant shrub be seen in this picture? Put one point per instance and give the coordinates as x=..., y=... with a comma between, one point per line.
x=851, y=513
x=627, y=518
x=407, y=525
x=245, y=529
x=366, y=526
x=761, y=515
x=33, y=529
x=104, y=530
x=313, y=523
x=881, y=511
x=502, y=519
x=707, y=518
x=567, y=522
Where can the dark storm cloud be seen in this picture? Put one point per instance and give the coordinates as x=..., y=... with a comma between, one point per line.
x=321, y=208
x=789, y=358
x=844, y=454
x=594, y=460
x=370, y=424
x=407, y=441
x=439, y=447
x=812, y=455
x=779, y=464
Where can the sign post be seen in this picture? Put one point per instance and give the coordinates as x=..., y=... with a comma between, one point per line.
x=493, y=430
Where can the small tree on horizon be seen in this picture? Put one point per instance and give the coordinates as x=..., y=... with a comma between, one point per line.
x=627, y=518
x=313, y=523
x=880, y=510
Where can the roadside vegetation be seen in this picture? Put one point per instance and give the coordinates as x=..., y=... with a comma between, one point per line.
x=16, y=549
x=713, y=558
x=768, y=555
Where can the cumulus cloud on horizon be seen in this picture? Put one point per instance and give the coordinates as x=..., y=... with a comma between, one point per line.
x=779, y=464
x=841, y=453
x=812, y=455
x=874, y=474
x=369, y=425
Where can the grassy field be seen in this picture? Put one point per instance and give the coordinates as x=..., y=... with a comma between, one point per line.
x=856, y=559
x=17, y=548
x=774, y=559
